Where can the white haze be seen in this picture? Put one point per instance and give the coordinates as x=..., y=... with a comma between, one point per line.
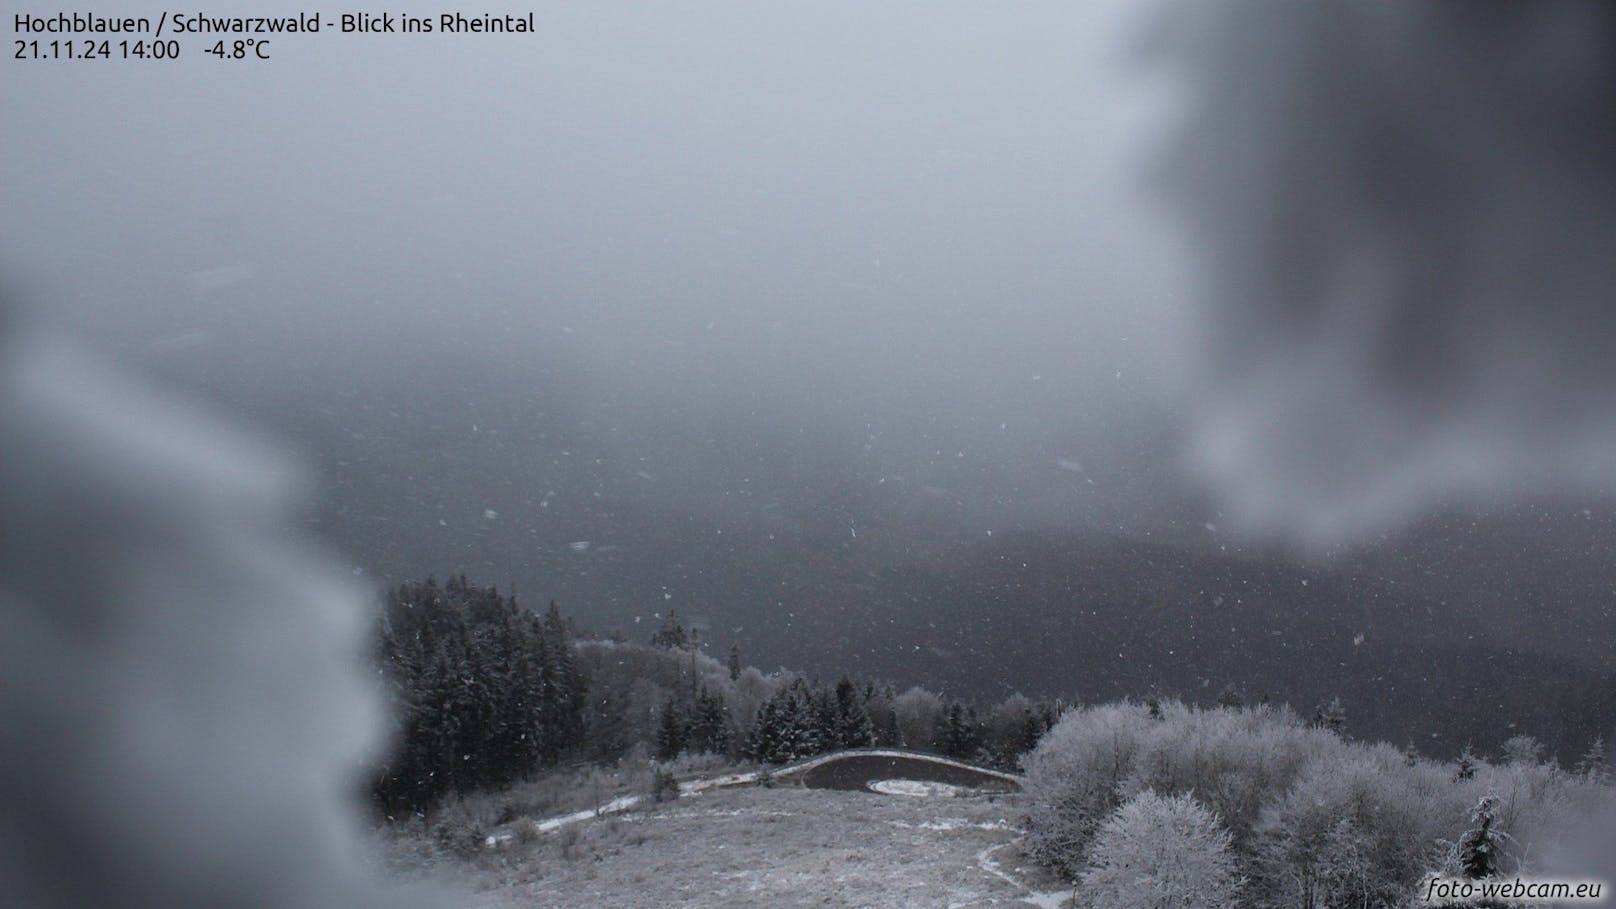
x=911, y=230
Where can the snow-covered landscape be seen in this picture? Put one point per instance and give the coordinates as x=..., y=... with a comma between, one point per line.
x=1241, y=806
x=726, y=841
x=1118, y=454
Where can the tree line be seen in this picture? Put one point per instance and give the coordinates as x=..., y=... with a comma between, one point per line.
x=486, y=692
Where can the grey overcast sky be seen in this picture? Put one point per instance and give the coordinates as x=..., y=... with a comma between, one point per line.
x=898, y=273
x=914, y=235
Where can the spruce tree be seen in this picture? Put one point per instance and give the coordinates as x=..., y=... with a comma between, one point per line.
x=852, y=726
x=1593, y=764
x=709, y=724
x=672, y=635
x=673, y=732
x=1467, y=766
x=783, y=731
x=564, y=687
x=1230, y=697
x=1036, y=724
x=761, y=743
x=800, y=735
x=486, y=691
x=958, y=734
x=821, y=721
x=1481, y=850
x=1332, y=716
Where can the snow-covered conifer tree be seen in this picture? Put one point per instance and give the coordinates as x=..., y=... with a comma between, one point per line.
x=1594, y=763
x=1481, y=850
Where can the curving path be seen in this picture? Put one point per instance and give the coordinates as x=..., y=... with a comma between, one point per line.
x=878, y=771
x=861, y=769
x=855, y=769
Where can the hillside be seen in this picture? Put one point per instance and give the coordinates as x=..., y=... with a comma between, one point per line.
x=789, y=845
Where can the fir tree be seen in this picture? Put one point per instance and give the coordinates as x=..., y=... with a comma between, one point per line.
x=1032, y=730
x=734, y=662
x=486, y=692
x=821, y=721
x=1467, y=766
x=709, y=724
x=761, y=744
x=1481, y=850
x=1593, y=765
x=958, y=734
x=880, y=707
x=1230, y=697
x=673, y=732
x=1331, y=716
x=784, y=728
x=672, y=635
x=851, y=725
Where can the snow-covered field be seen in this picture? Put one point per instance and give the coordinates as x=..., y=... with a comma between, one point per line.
x=781, y=846
x=916, y=788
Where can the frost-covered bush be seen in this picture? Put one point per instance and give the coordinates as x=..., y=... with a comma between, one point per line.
x=1161, y=853
x=1543, y=809
x=1074, y=778
x=1523, y=749
x=916, y=712
x=1232, y=759
x=1313, y=819
x=1097, y=757
x=1358, y=827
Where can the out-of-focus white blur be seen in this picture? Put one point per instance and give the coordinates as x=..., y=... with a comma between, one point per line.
x=183, y=713
x=1405, y=216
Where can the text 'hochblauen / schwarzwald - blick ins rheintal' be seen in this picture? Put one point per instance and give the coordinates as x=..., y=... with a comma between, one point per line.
x=91, y=36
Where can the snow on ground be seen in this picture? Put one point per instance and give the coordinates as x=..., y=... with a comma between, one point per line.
x=1045, y=899
x=614, y=806
x=954, y=823
x=914, y=788
x=782, y=846
x=550, y=825
x=785, y=775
